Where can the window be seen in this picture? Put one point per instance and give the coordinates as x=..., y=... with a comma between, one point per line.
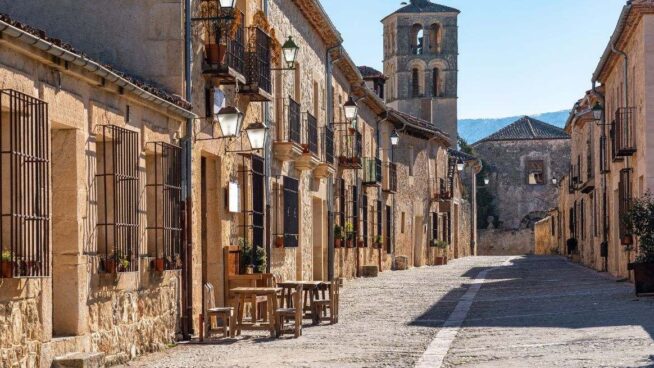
x=582, y=219
x=625, y=195
x=415, y=83
x=365, y=220
x=417, y=37
x=402, y=224
x=164, y=201
x=291, y=219
x=379, y=218
x=258, y=203
x=436, y=83
x=117, y=181
x=434, y=226
x=435, y=38
x=535, y=172
x=389, y=229
x=24, y=185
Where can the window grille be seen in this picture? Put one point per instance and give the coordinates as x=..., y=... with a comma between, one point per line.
x=365, y=219
x=117, y=180
x=328, y=142
x=342, y=209
x=258, y=56
x=625, y=194
x=604, y=163
x=625, y=131
x=390, y=179
x=291, y=220
x=350, y=149
x=434, y=226
x=372, y=171
x=24, y=185
x=164, y=189
x=236, y=47
x=379, y=218
x=389, y=229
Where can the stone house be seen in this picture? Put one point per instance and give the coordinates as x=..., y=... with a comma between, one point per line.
x=316, y=169
x=86, y=154
x=524, y=161
x=610, y=164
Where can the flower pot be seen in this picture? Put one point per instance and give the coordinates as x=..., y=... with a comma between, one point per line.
x=338, y=243
x=349, y=243
x=279, y=242
x=215, y=53
x=643, y=277
x=440, y=261
x=249, y=270
x=7, y=269
x=361, y=244
x=110, y=265
x=627, y=240
x=159, y=264
x=444, y=260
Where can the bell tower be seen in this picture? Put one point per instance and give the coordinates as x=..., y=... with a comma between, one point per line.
x=421, y=63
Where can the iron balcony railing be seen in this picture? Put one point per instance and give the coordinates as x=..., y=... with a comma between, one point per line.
x=350, y=149
x=604, y=163
x=293, y=129
x=328, y=145
x=390, y=178
x=236, y=47
x=625, y=128
x=372, y=171
x=258, y=59
x=312, y=134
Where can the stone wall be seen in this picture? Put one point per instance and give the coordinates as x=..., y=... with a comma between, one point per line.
x=505, y=242
x=545, y=241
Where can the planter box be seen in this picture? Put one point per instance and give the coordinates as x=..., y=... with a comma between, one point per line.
x=643, y=277
x=440, y=261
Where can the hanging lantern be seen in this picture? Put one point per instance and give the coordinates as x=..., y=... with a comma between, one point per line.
x=257, y=135
x=395, y=138
x=230, y=120
x=289, y=50
x=351, y=110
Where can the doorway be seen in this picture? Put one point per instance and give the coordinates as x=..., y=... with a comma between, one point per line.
x=319, y=240
x=418, y=239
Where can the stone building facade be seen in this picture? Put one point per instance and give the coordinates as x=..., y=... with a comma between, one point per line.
x=327, y=170
x=610, y=161
x=421, y=63
x=521, y=160
x=77, y=125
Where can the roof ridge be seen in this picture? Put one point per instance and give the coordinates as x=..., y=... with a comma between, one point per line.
x=531, y=127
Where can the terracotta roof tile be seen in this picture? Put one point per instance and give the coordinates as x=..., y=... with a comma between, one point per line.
x=527, y=128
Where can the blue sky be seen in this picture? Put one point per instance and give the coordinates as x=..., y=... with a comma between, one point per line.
x=516, y=57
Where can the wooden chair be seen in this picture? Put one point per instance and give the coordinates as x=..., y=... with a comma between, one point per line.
x=324, y=303
x=282, y=315
x=224, y=315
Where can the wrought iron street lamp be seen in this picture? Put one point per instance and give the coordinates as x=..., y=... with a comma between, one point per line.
x=257, y=135
x=290, y=50
x=486, y=181
x=555, y=181
x=227, y=5
x=598, y=111
x=351, y=110
x=460, y=165
x=395, y=138
x=230, y=120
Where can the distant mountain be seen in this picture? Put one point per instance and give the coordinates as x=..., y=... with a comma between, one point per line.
x=473, y=130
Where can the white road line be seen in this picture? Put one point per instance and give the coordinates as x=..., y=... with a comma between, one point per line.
x=437, y=350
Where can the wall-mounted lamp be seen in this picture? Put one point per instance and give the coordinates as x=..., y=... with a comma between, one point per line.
x=230, y=120
x=486, y=181
x=350, y=109
x=395, y=138
x=257, y=135
x=598, y=112
x=460, y=165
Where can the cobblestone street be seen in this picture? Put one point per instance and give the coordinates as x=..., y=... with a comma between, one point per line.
x=529, y=312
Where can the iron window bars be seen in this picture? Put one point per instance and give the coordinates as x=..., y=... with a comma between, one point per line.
x=625, y=194
x=24, y=186
x=390, y=179
x=117, y=178
x=625, y=131
x=258, y=60
x=294, y=127
x=604, y=163
x=236, y=46
x=365, y=219
x=379, y=220
x=252, y=210
x=312, y=134
x=164, y=191
x=389, y=229
x=352, y=215
x=372, y=171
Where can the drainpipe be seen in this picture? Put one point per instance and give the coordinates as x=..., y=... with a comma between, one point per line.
x=187, y=274
x=330, y=181
x=267, y=159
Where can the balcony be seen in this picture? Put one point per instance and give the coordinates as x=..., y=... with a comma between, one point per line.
x=444, y=193
x=288, y=145
x=309, y=141
x=372, y=172
x=258, y=85
x=390, y=179
x=224, y=61
x=326, y=166
x=350, y=149
x=625, y=140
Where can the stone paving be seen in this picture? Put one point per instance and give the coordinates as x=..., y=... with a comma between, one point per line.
x=536, y=312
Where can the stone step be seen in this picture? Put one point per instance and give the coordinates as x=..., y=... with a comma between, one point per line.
x=79, y=360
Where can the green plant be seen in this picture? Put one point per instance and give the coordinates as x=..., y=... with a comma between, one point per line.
x=338, y=232
x=349, y=230
x=439, y=244
x=259, y=260
x=379, y=239
x=6, y=255
x=639, y=220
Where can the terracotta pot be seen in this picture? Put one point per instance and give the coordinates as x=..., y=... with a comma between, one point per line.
x=338, y=243
x=349, y=243
x=439, y=261
x=110, y=266
x=159, y=264
x=279, y=242
x=361, y=244
x=6, y=269
x=627, y=240
x=249, y=270
x=215, y=53
x=643, y=277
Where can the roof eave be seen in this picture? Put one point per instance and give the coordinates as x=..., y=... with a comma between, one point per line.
x=615, y=37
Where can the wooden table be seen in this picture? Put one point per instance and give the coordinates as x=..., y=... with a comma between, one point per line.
x=310, y=289
x=245, y=294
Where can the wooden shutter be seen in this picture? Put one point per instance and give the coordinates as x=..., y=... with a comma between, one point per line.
x=291, y=218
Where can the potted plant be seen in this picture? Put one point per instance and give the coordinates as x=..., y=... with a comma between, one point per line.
x=360, y=242
x=279, y=241
x=338, y=236
x=123, y=263
x=639, y=221
x=378, y=242
x=159, y=264
x=349, y=232
x=109, y=264
x=441, y=259
x=6, y=265
x=252, y=264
